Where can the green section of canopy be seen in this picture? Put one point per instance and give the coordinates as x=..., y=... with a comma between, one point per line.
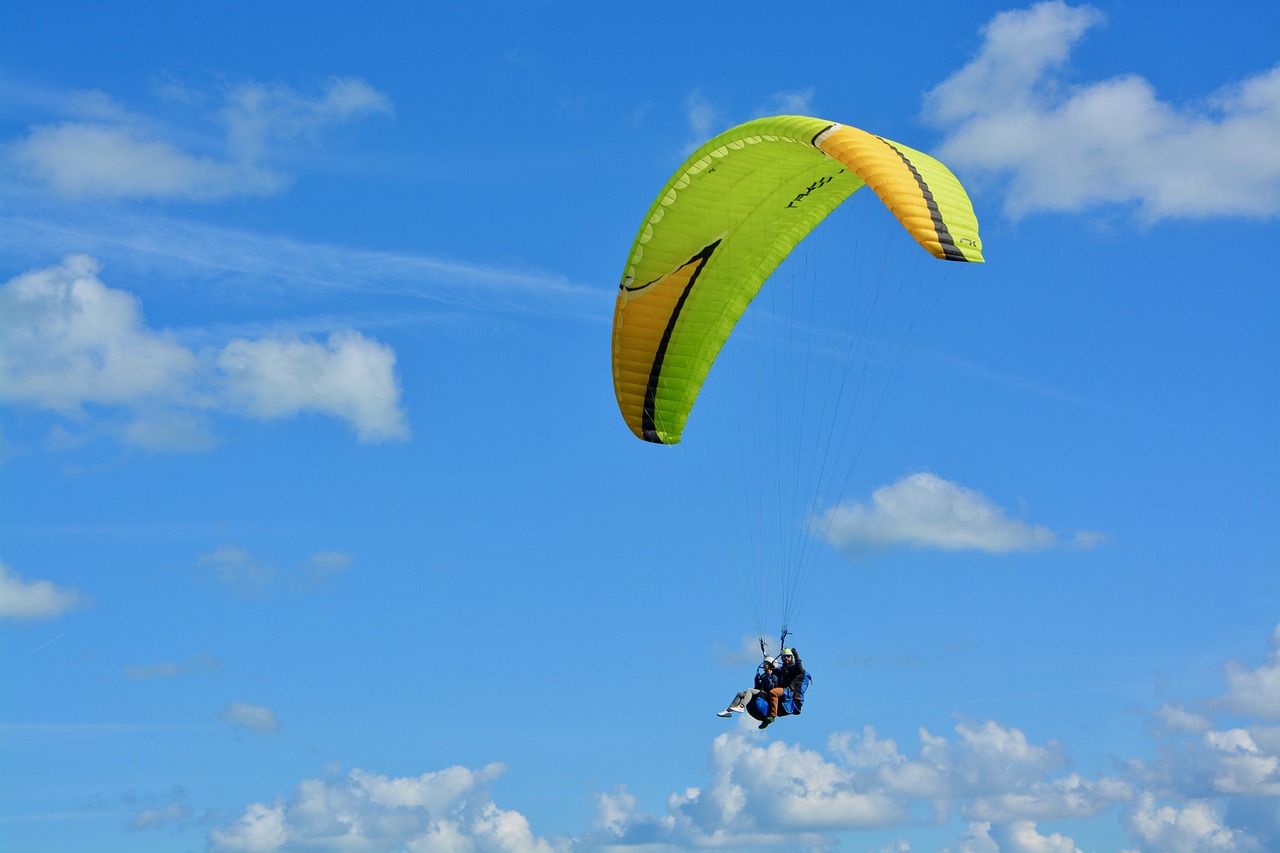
x=724, y=222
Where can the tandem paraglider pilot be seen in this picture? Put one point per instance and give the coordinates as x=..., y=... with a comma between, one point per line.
x=791, y=681
x=779, y=690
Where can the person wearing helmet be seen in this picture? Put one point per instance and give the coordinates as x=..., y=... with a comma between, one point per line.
x=766, y=680
x=790, y=675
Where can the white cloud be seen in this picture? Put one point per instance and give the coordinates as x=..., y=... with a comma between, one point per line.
x=1010, y=113
x=256, y=113
x=350, y=377
x=867, y=750
x=1000, y=756
x=1207, y=786
x=108, y=151
x=1256, y=692
x=1023, y=837
x=761, y=794
x=1018, y=837
x=1176, y=718
x=977, y=839
x=257, y=718
x=1069, y=796
x=925, y=511
x=1241, y=765
x=1231, y=762
x=34, y=599
x=260, y=829
x=67, y=340
x=1207, y=791
x=79, y=159
x=448, y=810
x=1195, y=828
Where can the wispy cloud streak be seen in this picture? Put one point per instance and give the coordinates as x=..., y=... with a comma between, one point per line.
x=254, y=266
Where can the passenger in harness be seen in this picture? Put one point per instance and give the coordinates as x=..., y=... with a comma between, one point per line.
x=766, y=680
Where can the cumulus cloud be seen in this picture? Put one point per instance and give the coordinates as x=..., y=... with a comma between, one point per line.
x=349, y=376
x=108, y=151
x=784, y=795
x=1206, y=790
x=1194, y=828
x=925, y=511
x=1240, y=761
x=1175, y=718
x=67, y=341
x=1018, y=837
x=1022, y=837
x=977, y=839
x=21, y=598
x=255, y=718
x=1242, y=765
x=1012, y=115
x=447, y=810
x=1209, y=786
x=1256, y=692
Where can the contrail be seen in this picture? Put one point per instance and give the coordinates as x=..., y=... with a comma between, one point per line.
x=57, y=638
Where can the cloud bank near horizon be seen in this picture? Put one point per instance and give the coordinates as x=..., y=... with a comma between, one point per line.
x=1212, y=784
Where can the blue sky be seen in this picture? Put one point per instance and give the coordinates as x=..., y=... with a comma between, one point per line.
x=320, y=529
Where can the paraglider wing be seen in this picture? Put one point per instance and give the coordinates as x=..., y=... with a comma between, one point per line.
x=724, y=222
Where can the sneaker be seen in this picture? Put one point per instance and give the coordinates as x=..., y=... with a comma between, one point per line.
x=764, y=724
x=737, y=709
x=725, y=713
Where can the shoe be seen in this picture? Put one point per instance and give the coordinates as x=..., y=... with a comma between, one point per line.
x=725, y=713
x=737, y=709
x=764, y=724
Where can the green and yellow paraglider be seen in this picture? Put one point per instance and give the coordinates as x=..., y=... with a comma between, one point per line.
x=723, y=223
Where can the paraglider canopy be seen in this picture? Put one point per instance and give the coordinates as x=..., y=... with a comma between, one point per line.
x=723, y=223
